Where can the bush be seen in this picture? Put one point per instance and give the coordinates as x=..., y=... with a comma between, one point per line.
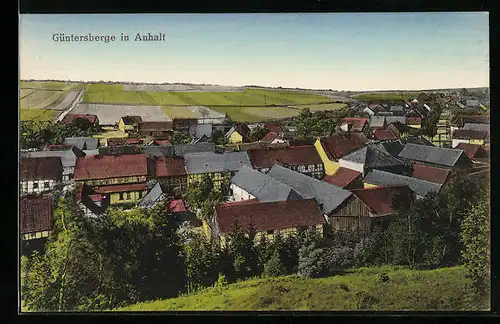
x=275, y=265
x=338, y=258
x=311, y=261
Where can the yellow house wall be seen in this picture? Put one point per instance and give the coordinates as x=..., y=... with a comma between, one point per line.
x=121, y=125
x=134, y=196
x=367, y=185
x=216, y=177
x=330, y=166
x=414, y=126
x=112, y=181
x=474, y=141
x=235, y=138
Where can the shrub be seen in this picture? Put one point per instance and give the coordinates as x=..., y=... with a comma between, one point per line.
x=275, y=265
x=338, y=258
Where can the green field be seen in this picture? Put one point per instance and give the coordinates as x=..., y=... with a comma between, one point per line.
x=255, y=114
x=179, y=112
x=331, y=106
x=359, y=289
x=387, y=96
x=114, y=94
x=38, y=114
x=40, y=99
x=43, y=85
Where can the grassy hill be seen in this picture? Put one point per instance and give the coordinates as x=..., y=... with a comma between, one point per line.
x=360, y=289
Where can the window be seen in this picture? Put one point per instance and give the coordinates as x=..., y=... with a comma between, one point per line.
x=128, y=195
x=270, y=231
x=140, y=194
x=121, y=196
x=35, y=185
x=46, y=184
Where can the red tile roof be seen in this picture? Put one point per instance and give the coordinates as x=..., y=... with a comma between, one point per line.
x=110, y=166
x=357, y=123
x=40, y=168
x=155, y=126
x=474, y=119
x=413, y=120
x=268, y=215
x=431, y=174
x=378, y=200
x=469, y=134
x=168, y=166
x=35, y=214
x=342, y=177
x=271, y=136
x=341, y=144
x=96, y=197
x=293, y=155
x=384, y=135
x=124, y=141
x=120, y=188
x=471, y=150
x=71, y=118
x=242, y=129
x=177, y=206
x=273, y=128
x=161, y=142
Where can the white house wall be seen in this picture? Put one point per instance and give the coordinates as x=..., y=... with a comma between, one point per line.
x=455, y=142
x=240, y=194
x=28, y=187
x=351, y=165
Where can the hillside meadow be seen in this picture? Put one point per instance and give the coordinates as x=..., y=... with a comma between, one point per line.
x=405, y=95
x=38, y=114
x=359, y=289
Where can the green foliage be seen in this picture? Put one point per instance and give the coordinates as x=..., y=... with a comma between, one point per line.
x=180, y=138
x=475, y=237
x=218, y=138
x=257, y=134
x=37, y=134
x=275, y=265
x=311, y=261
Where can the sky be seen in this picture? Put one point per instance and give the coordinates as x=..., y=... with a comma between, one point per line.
x=339, y=51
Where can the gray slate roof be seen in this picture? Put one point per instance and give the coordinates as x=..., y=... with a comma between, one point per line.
x=397, y=108
x=478, y=127
x=395, y=119
x=206, y=162
x=377, y=121
x=431, y=154
x=153, y=196
x=373, y=156
x=182, y=149
x=204, y=129
x=79, y=142
x=328, y=196
x=472, y=103
x=91, y=152
x=68, y=157
x=383, y=178
x=262, y=186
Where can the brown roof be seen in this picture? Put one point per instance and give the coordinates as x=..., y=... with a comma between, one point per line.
x=35, y=214
x=40, y=168
x=70, y=118
x=473, y=119
x=273, y=128
x=357, y=123
x=472, y=150
x=168, y=166
x=178, y=123
x=341, y=144
x=469, y=134
x=120, y=188
x=379, y=200
x=271, y=136
x=384, y=134
x=129, y=120
x=413, y=120
x=155, y=126
x=161, y=142
x=242, y=129
x=431, y=174
x=292, y=155
x=110, y=166
x=269, y=215
x=123, y=141
x=342, y=177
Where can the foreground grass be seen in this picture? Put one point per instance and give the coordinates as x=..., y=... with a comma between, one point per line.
x=38, y=114
x=360, y=289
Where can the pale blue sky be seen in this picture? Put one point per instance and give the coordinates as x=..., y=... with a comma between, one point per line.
x=364, y=51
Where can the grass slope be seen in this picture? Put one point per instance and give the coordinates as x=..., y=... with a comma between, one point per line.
x=359, y=289
x=387, y=96
x=38, y=114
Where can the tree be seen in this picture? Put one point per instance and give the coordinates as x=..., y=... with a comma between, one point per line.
x=180, y=138
x=257, y=134
x=311, y=256
x=243, y=253
x=275, y=265
x=218, y=138
x=475, y=237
